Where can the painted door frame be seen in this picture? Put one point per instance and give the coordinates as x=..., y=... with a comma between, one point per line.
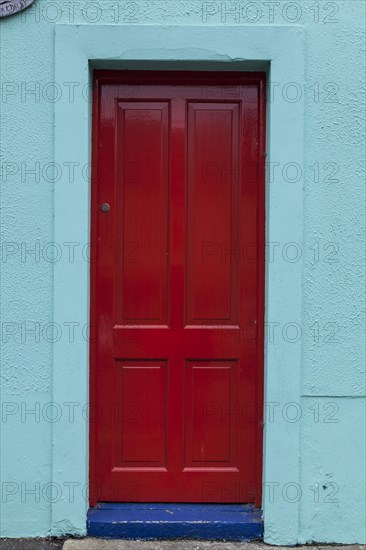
x=78, y=50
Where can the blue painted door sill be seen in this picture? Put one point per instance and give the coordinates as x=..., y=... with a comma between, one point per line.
x=232, y=522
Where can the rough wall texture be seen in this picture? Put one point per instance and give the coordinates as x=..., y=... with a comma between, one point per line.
x=332, y=410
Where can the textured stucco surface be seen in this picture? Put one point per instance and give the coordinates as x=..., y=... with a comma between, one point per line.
x=333, y=380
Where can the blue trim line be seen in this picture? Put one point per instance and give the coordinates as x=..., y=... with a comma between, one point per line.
x=235, y=522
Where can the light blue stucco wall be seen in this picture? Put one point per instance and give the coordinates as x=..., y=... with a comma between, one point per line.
x=331, y=411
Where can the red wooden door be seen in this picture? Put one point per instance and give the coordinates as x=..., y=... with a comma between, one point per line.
x=177, y=287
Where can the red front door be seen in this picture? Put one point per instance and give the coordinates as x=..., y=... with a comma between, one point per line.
x=177, y=287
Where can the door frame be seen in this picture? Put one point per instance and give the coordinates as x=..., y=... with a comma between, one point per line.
x=172, y=77
x=78, y=50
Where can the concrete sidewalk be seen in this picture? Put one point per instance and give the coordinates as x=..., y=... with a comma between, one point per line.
x=103, y=544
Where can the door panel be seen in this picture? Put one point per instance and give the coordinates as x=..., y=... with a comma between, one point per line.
x=142, y=210
x=140, y=436
x=211, y=430
x=177, y=287
x=212, y=213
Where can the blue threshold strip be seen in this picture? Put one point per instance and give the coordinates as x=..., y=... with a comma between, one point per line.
x=233, y=522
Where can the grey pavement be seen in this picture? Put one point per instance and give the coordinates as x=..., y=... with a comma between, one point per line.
x=31, y=544
x=102, y=544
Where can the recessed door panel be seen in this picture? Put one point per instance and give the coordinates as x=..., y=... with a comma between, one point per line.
x=140, y=398
x=211, y=419
x=213, y=157
x=142, y=158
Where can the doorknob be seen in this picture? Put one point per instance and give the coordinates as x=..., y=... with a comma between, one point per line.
x=105, y=207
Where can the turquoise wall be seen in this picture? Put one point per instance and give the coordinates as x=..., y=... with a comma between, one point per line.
x=331, y=411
